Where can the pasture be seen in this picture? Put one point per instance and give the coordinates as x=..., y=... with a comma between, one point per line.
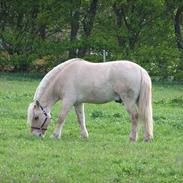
x=107, y=156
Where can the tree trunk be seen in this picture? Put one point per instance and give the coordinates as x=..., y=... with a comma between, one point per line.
x=75, y=14
x=177, y=26
x=3, y=15
x=88, y=22
x=118, y=12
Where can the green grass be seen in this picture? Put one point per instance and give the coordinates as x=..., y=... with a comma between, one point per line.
x=107, y=156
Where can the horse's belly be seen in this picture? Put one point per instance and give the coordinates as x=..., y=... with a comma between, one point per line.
x=97, y=101
x=97, y=96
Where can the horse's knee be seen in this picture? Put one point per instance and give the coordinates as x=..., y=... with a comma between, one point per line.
x=63, y=114
x=61, y=119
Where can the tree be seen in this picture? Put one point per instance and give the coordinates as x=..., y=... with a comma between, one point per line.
x=174, y=9
x=89, y=14
x=148, y=32
x=75, y=25
x=178, y=23
x=131, y=19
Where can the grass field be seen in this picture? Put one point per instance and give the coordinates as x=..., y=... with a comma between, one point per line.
x=106, y=157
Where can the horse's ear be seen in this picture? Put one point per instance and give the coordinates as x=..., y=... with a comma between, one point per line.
x=37, y=104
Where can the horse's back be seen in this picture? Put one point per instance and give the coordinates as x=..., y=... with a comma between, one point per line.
x=121, y=72
x=120, y=66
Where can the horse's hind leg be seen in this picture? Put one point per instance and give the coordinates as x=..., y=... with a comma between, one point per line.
x=134, y=131
x=81, y=119
x=66, y=106
x=132, y=110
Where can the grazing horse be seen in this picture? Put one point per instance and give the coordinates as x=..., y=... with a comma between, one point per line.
x=77, y=81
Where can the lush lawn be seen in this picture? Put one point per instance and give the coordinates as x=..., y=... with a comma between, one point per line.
x=107, y=156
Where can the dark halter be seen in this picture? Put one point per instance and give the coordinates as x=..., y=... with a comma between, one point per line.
x=46, y=118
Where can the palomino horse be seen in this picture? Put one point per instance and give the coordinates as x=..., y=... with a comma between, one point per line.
x=77, y=81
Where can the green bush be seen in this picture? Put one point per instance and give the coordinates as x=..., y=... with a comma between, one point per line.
x=161, y=62
x=158, y=61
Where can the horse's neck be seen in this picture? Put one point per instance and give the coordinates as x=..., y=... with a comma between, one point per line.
x=46, y=95
x=47, y=99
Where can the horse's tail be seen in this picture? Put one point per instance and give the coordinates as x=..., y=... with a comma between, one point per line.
x=145, y=104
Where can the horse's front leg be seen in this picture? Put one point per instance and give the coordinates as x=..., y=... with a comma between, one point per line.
x=81, y=119
x=66, y=106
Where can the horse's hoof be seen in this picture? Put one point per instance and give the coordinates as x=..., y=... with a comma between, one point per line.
x=148, y=139
x=84, y=135
x=133, y=140
x=133, y=137
x=55, y=136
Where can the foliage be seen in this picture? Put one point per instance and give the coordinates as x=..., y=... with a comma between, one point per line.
x=147, y=32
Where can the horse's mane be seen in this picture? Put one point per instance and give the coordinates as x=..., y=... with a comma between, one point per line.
x=48, y=77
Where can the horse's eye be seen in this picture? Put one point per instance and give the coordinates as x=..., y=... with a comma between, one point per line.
x=36, y=118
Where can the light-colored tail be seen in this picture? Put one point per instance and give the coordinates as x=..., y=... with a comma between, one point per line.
x=145, y=104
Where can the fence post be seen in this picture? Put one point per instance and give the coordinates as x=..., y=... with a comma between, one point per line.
x=104, y=55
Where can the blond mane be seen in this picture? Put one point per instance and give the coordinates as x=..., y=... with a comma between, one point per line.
x=48, y=77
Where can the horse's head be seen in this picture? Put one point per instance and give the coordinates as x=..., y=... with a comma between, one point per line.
x=38, y=119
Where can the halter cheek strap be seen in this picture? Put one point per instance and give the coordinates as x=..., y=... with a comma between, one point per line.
x=46, y=118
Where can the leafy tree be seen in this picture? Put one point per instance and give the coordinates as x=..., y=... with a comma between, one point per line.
x=147, y=32
x=174, y=9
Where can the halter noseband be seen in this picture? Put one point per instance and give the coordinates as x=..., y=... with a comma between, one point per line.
x=46, y=118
